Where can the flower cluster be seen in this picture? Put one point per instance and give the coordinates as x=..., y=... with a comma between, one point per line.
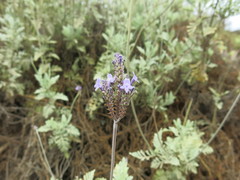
x=118, y=89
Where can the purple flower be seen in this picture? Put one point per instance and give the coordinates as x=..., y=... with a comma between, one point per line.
x=98, y=84
x=117, y=90
x=127, y=85
x=110, y=78
x=118, y=60
x=134, y=79
x=78, y=88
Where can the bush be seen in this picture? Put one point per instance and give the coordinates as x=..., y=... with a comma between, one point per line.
x=179, y=51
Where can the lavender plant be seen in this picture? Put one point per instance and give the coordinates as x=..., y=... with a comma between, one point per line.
x=177, y=156
x=117, y=91
x=57, y=118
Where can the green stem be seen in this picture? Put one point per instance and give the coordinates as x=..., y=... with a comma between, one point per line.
x=146, y=24
x=74, y=100
x=43, y=152
x=225, y=119
x=182, y=82
x=215, y=7
x=128, y=56
x=214, y=118
x=33, y=65
x=129, y=33
x=187, y=113
x=138, y=125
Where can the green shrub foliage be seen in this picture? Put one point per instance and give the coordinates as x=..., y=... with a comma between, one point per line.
x=179, y=153
x=50, y=46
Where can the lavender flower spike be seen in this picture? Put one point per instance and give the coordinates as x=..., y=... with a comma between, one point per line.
x=134, y=78
x=118, y=60
x=117, y=92
x=117, y=89
x=98, y=84
x=127, y=85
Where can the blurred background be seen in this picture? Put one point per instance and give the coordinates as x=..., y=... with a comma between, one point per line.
x=184, y=52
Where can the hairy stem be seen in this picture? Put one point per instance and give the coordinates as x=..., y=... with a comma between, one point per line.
x=43, y=152
x=129, y=21
x=225, y=119
x=138, y=125
x=187, y=112
x=114, y=140
x=74, y=100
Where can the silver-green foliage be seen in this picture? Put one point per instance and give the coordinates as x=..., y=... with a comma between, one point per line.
x=12, y=59
x=217, y=97
x=153, y=55
x=45, y=91
x=120, y=172
x=180, y=152
x=156, y=49
x=62, y=132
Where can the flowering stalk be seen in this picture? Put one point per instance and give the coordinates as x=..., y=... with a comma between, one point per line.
x=114, y=140
x=117, y=91
x=78, y=88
